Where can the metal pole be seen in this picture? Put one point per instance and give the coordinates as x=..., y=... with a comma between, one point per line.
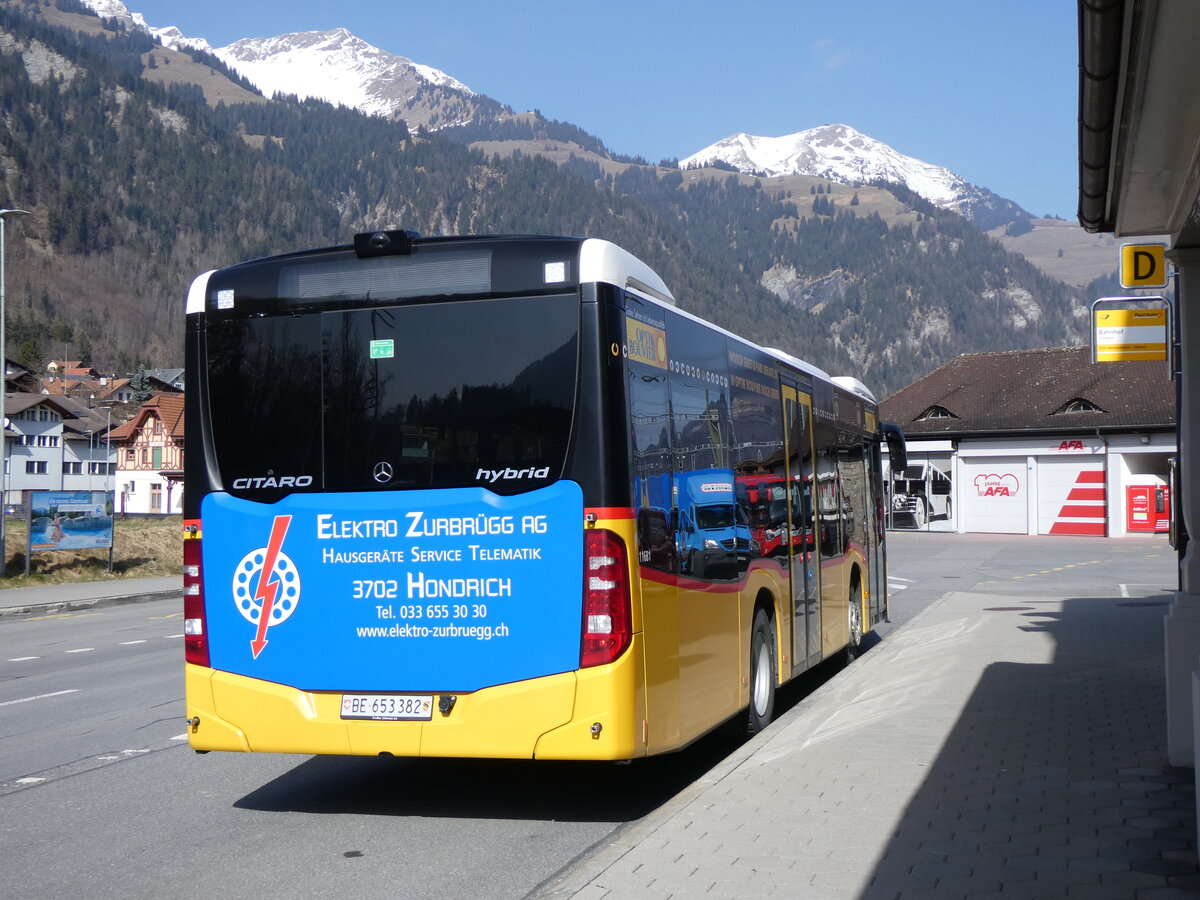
x=4, y=214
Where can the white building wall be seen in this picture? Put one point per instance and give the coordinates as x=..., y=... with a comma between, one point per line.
x=136, y=490
x=1030, y=485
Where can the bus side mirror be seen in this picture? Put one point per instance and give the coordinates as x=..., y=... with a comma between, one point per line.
x=897, y=449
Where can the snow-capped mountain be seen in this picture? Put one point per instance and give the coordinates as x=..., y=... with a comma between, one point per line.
x=169, y=37
x=839, y=153
x=340, y=68
x=334, y=66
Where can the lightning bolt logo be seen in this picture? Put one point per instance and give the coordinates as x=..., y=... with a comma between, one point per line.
x=272, y=596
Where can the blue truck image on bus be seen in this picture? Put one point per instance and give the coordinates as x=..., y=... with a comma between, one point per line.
x=712, y=531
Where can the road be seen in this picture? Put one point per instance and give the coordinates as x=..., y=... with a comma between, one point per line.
x=100, y=796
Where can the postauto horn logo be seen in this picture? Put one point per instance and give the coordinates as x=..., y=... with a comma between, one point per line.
x=266, y=585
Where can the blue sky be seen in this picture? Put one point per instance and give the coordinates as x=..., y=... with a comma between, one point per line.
x=988, y=90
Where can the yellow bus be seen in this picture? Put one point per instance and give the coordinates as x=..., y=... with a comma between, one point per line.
x=500, y=497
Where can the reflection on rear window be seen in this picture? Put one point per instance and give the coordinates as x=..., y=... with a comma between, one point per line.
x=447, y=394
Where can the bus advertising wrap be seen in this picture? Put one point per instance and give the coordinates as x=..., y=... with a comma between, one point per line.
x=433, y=590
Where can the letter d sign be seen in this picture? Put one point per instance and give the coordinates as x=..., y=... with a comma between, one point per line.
x=1143, y=265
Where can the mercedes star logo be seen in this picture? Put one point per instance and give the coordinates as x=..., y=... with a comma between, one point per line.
x=383, y=472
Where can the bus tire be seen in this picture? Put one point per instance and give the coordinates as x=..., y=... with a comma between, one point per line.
x=854, y=620
x=762, y=673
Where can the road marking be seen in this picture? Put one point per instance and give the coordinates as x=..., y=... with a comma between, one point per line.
x=171, y=616
x=80, y=650
x=127, y=643
x=180, y=737
x=40, y=697
x=169, y=636
x=23, y=658
x=111, y=758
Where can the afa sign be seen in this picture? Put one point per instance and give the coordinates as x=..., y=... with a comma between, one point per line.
x=997, y=485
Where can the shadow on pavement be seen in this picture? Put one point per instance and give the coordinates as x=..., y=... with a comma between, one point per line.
x=511, y=789
x=1054, y=776
x=500, y=789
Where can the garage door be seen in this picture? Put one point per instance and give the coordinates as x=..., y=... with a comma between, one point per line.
x=994, y=493
x=1071, y=496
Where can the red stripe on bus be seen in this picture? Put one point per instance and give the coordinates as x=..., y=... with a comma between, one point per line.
x=1090, y=476
x=687, y=583
x=1087, y=494
x=610, y=512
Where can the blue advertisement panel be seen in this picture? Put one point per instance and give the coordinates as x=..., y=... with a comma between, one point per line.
x=437, y=590
x=70, y=520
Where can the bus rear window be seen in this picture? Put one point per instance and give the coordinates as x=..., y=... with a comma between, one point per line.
x=474, y=392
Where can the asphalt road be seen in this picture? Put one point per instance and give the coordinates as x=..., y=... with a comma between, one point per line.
x=100, y=797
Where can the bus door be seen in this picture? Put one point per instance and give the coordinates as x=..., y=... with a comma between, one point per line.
x=803, y=558
x=876, y=562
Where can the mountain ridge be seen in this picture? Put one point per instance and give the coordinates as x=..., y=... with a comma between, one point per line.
x=340, y=67
x=842, y=154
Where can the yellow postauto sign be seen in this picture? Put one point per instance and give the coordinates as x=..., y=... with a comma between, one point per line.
x=1122, y=335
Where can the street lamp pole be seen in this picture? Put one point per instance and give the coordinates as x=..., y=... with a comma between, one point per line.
x=4, y=215
x=108, y=475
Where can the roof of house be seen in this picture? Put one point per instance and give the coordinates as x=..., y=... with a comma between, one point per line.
x=1019, y=391
x=19, y=401
x=167, y=407
x=90, y=421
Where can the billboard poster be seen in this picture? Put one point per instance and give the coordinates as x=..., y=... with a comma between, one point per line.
x=70, y=520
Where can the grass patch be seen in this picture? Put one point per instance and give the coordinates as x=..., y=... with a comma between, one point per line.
x=142, y=548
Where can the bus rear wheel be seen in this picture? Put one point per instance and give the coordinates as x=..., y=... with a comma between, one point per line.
x=762, y=673
x=854, y=621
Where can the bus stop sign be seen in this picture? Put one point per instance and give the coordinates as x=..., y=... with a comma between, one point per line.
x=1143, y=265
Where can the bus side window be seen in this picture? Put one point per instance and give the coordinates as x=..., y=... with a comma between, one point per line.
x=650, y=426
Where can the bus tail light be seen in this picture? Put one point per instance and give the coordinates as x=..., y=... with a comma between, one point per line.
x=607, y=620
x=195, y=637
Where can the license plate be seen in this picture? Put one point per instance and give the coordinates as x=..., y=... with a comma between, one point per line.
x=387, y=707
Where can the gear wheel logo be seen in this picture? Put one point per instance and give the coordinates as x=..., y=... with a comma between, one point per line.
x=266, y=585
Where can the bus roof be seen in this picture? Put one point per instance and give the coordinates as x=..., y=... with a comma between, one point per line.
x=604, y=261
x=598, y=260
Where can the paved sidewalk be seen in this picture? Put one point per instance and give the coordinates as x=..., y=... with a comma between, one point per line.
x=54, y=598
x=988, y=748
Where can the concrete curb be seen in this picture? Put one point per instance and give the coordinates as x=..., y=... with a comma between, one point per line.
x=52, y=607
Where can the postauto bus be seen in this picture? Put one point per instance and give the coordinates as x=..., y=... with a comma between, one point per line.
x=417, y=517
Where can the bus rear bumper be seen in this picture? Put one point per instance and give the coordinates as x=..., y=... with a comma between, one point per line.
x=553, y=717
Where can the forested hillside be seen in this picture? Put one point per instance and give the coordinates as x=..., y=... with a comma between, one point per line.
x=138, y=186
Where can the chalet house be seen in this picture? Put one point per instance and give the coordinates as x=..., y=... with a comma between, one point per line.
x=1036, y=442
x=149, y=458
